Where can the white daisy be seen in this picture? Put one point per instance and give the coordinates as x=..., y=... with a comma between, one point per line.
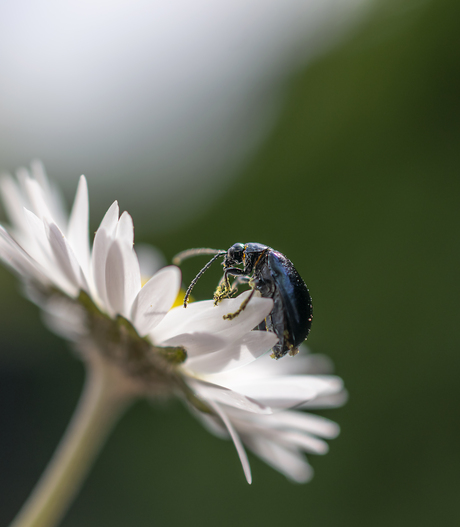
x=97, y=298
x=51, y=252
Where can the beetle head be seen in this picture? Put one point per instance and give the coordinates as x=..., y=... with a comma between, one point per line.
x=235, y=255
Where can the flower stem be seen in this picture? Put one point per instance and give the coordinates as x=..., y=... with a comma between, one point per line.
x=102, y=402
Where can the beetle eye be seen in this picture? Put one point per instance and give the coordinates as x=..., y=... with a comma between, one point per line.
x=235, y=253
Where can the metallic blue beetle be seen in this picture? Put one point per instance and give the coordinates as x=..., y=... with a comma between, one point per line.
x=274, y=276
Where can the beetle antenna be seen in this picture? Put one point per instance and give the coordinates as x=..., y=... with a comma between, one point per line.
x=180, y=257
x=205, y=268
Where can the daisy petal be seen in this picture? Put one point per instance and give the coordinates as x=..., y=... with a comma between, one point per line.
x=115, y=279
x=40, y=250
x=38, y=172
x=110, y=219
x=313, y=424
x=132, y=277
x=15, y=257
x=236, y=441
x=211, y=423
x=36, y=197
x=55, y=201
x=237, y=354
x=209, y=392
x=257, y=309
x=125, y=229
x=305, y=442
x=102, y=242
x=334, y=400
x=77, y=233
x=196, y=344
x=286, y=391
x=287, y=461
x=39, y=247
x=13, y=203
x=65, y=257
x=200, y=316
x=155, y=299
x=123, y=279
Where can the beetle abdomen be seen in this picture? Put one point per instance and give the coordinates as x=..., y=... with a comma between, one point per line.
x=276, y=322
x=294, y=302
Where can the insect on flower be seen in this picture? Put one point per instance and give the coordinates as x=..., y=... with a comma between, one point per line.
x=271, y=274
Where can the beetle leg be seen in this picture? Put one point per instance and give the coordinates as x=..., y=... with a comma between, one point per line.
x=292, y=349
x=231, y=316
x=227, y=292
x=224, y=289
x=221, y=292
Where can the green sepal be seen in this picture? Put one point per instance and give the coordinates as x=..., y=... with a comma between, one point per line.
x=173, y=354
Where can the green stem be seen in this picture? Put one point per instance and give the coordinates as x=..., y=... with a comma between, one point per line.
x=101, y=403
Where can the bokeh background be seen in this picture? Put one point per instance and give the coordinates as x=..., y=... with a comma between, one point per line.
x=338, y=143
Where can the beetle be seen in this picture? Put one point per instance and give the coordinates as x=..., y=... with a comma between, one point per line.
x=271, y=274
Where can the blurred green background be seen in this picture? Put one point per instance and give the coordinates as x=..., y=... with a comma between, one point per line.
x=358, y=184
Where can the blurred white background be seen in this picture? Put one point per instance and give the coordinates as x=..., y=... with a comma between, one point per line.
x=164, y=100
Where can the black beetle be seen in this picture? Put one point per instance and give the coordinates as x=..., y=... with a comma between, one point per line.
x=274, y=276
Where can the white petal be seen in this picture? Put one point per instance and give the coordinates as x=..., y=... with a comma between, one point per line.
x=208, y=392
x=210, y=422
x=289, y=462
x=40, y=248
x=236, y=441
x=52, y=195
x=196, y=344
x=125, y=229
x=64, y=317
x=37, y=198
x=327, y=401
x=115, y=279
x=38, y=173
x=13, y=202
x=300, y=421
x=110, y=220
x=204, y=317
x=155, y=299
x=102, y=242
x=132, y=278
x=15, y=257
x=65, y=257
x=239, y=353
x=285, y=391
x=78, y=230
x=123, y=279
x=306, y=442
